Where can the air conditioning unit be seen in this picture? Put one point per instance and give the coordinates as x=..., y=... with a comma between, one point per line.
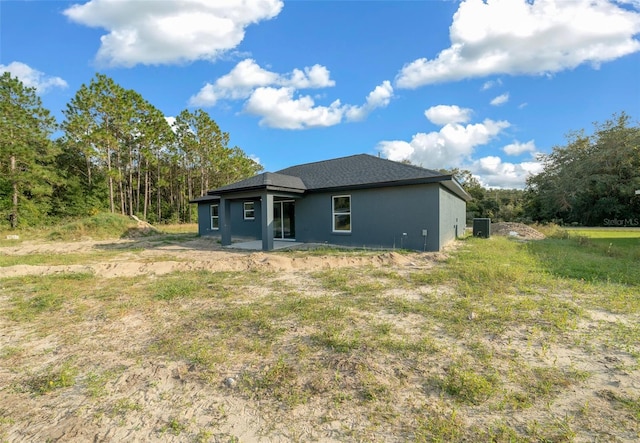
x=482, y=227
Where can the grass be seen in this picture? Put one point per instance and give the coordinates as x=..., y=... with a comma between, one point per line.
x=438, y=424
x=487, y=346
x=592, y=255
x=95, y=381
x=99, y=226
x=41, y=259
x=51, y=378
x=179, y=228
x=173, y=426
x=468, y=385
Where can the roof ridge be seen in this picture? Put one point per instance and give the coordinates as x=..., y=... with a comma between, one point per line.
x=322, y=161
x=411, y=165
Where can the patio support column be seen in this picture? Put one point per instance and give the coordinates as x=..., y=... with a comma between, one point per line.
x=267, y=221
x=225, y=221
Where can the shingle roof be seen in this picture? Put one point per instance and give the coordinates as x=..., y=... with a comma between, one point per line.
x=204, y=198
x=266, y=179
x=361, y=169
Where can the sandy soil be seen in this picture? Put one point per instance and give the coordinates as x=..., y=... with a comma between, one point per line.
x=146, y=396
x=516, y=230
x=143, y=257
x=158, y=388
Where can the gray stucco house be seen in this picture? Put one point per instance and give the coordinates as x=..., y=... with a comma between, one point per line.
x=360, y=200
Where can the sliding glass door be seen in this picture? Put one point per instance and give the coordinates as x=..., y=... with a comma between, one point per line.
x=284, y=220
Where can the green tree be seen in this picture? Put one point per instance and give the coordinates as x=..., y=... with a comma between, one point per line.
x=26, y=153
x=90, y=127
x=206, y=158
x=118, y=136
x=76, y=194
x=591, y=179
x=155, y=136
x=122, y=147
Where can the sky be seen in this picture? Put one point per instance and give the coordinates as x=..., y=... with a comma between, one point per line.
x=485, y=86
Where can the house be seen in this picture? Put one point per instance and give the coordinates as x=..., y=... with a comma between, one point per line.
x=360, y=200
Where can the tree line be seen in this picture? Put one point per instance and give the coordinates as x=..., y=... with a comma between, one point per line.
x=114, y=151
x=590, y=181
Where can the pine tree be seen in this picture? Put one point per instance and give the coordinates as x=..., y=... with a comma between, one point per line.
x=26, y=153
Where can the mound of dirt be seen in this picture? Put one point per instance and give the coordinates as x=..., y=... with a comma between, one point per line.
x=517, y=230
x=143, y=229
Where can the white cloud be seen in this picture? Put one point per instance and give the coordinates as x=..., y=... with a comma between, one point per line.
x=273, y=96
x=452, y=146
x=255, y=158
x=491, y=83
x=279, y=109
x=518, y=148
x=527, y=37
x=443, y=114
x=32, y=78
x=378, y=98
x=500, y=100
x=247, y=75
x=166, y=32
x=316, y=76
x=494, y=173
x=171, y=121
x=455, y=144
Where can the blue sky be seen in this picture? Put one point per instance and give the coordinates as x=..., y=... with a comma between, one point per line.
x=479, y=85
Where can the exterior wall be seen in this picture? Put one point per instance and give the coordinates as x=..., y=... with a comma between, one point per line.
x=242, y=228
x=204, y=219
x=239, y=226
x=453, y=213
x=392, y=217
x=380, y=218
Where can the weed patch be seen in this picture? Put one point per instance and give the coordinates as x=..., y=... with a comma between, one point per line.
x=51, y=379
x=437, y=424
x=99, y=226
x=468, y=385
x=279, y=381
x=95, y=382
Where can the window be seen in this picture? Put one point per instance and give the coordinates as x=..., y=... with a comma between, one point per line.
x=342, y=213
x=214, y=217
x=249, y=211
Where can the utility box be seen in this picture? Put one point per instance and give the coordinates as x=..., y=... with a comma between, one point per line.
x=482, y=227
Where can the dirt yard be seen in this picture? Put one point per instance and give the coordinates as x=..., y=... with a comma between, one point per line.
x=145, y=258
x=125, y=359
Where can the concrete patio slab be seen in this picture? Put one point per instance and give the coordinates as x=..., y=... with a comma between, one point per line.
x=256, y=245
